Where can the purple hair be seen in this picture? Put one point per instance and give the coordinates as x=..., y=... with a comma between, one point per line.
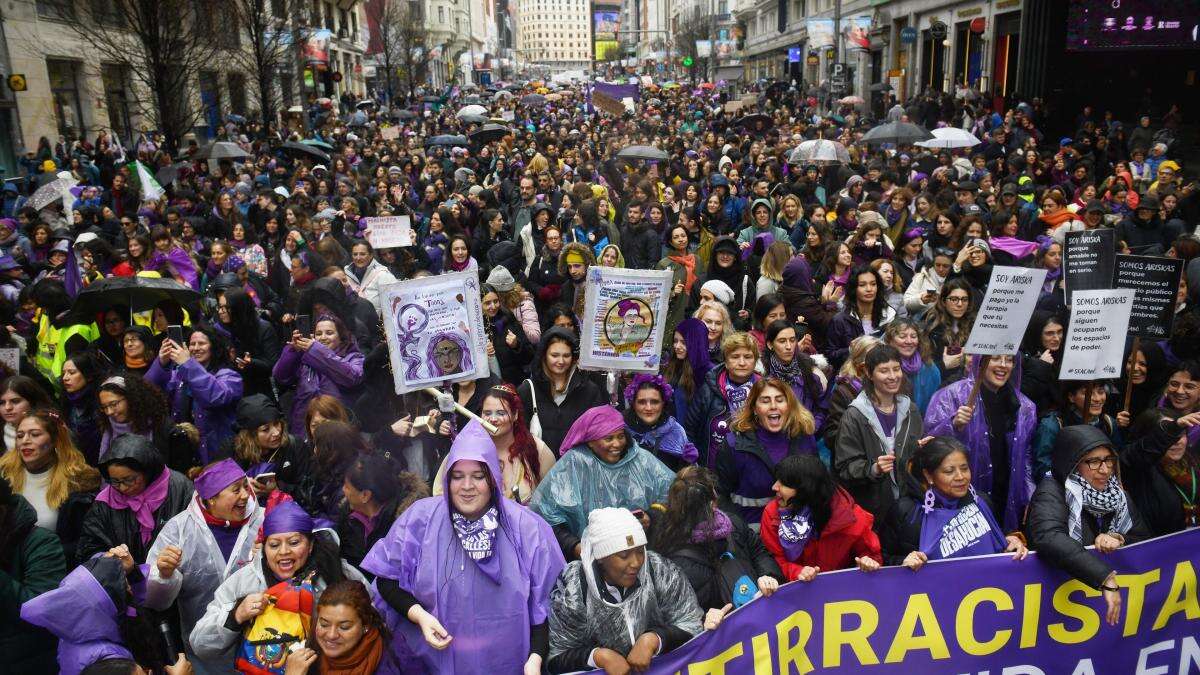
x=464, y=365
x=643, y=379
x=695, y=336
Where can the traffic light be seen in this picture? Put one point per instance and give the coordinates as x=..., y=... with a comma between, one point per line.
x=688, y=61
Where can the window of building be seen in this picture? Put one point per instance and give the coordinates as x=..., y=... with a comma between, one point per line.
x=441, y=14
x=115, y=78
x=237, y=93
x=56, y=9
x=343, y=23
x=64, y=87
x=210, y=98
x=106, y=13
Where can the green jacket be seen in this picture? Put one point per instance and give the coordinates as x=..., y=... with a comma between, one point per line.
x=32, y=564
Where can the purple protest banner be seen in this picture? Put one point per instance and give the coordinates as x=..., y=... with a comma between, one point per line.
x=988, y=614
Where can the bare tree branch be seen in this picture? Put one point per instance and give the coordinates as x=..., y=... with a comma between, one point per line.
x=401, y=42
x=163, y=44
x=273, y=29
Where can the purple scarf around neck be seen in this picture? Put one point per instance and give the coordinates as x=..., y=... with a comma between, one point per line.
x=795, y=529
x=911, y=365
x=952, y=529
x=715, y=529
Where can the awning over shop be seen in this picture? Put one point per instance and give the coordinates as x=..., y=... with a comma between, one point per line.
x=730, y=73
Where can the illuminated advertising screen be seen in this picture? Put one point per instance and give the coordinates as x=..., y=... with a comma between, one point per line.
x=606, y=22
x=1133, y=24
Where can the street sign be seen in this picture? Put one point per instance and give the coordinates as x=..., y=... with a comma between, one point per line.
x=793, y=55
x=813, y=59
x=938, y=30
x=837, y=70
x=839, y=83
x=908, y=35
x=16, y=82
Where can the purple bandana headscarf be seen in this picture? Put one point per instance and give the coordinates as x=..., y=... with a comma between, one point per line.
x=218, y=477
x=594, y=424
x=695, y=336
x=795, y=529
x=287, y=517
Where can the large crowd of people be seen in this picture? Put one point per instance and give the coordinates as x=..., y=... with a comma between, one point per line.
x=218, y=476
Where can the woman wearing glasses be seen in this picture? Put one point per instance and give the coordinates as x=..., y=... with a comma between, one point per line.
x=141, y=495
x=1082, y=504
x=996, y=425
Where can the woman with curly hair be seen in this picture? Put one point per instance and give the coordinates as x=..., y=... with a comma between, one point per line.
x=129, y=405
x=350, y=635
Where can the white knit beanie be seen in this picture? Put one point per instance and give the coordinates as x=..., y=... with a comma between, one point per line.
x=612, y=530
x=720, y=290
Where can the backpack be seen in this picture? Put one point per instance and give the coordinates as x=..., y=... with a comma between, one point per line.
x=286, y=622
x=735, y=579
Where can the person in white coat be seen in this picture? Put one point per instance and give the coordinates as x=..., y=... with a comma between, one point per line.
x=201, y=547
x=294, y=559
x=367, y=275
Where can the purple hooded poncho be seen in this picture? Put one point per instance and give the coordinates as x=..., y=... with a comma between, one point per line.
x=939, y=418
x=695, y=336
x=489, y=622
x=84, y=618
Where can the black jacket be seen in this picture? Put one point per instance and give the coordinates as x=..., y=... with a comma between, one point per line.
x=105, y=527
x=514, y=361
x=641, y=246
x=701, y=563
x=256, y=376
x=355, y=542
x=1047, y=522
x=1155, y=495
x=556, y=418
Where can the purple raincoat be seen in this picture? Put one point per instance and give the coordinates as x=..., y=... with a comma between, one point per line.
x=320, y=370
x=489, y=622
x=83, y=617
x=939, y=418
x=214, y=399
x=175, y=262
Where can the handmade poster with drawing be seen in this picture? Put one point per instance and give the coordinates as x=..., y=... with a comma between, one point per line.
x=623, y=319
x=435, y=331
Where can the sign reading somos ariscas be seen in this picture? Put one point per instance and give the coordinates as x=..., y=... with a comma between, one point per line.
x=1095, y=342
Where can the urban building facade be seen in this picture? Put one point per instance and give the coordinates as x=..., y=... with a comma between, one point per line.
x=72, y=94
x=554, y=34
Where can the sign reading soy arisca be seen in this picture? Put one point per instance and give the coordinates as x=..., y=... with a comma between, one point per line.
x=1089, y=259
x=1011, y=297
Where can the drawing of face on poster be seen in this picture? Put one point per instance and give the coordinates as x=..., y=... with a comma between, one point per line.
x=435, y=331
x=627, y=324
x=449, y=354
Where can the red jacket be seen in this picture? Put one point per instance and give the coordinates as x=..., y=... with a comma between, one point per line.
x=847, y=535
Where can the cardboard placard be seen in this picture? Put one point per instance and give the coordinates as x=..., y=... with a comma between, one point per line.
x=624, y=315
x=1011, y=297
x=390, y=231
x=607, y=103
x=1089, y=260
x=435, y=332
x=1095, y=345
x=1156, y=281
x=389, y=133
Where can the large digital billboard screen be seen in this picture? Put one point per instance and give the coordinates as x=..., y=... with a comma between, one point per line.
x=1133, y=24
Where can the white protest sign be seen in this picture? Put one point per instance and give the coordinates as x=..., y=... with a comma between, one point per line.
x=507, y=115
x=1095, y=344
x=624, y=316
x=435, y=330
x=390, y=231
x=389, y=133
x=1000, y=324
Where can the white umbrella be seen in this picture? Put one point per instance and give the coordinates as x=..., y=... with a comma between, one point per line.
x=471, y=110
x=851, y=100
x=53, y=190
x=820, y=152
x=950, y=137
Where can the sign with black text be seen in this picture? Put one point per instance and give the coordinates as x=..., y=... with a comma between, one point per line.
x=1156, y=282
x=390, y=231
x=1089, y=259
x=1095, y=344
x=1011, y=297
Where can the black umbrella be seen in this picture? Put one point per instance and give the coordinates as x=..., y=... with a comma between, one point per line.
x=365, y=105
x=140, y=294
x=405, y=115
x=643, y=152
x=304, y=151
x=473, y=119
x=880, y=86
x=447, y=140
x=533, y=100
x=222, y=150
x=489, y=133
x=897, y=133
x=472, y=100
x=757, y=123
